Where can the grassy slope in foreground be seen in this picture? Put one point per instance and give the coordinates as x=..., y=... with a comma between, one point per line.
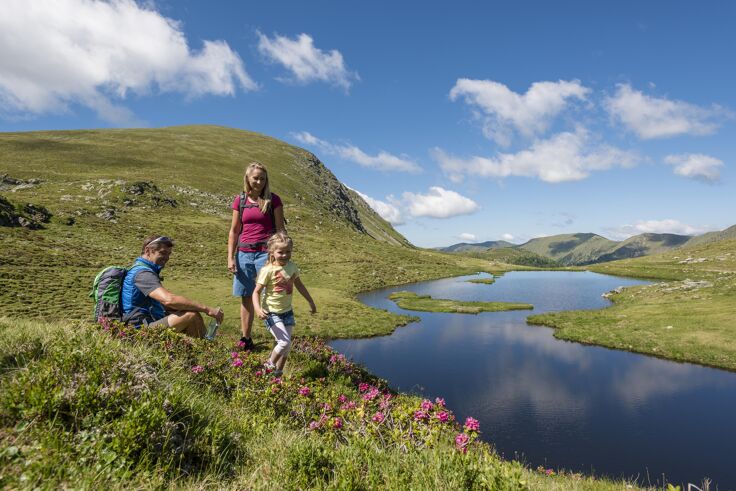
x=690, y=317
x=425, y=303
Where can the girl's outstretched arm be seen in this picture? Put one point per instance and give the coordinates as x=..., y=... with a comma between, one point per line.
x=305, y=293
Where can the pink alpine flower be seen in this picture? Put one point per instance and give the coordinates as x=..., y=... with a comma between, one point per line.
x=348, y=406
x=472, y=424
x=259, y=373
x=371, y=394
x=304, y=391
x=461, y=442
x=362, y=387
x=443, y=416
x=237, y=362
x=420, y=415
x=337, y=423
x=234, y=354
x=314, y=425
x=378, y=417
x=440, y=401
x=197, y=369
x=241, y=344
x=342, y=398
x=426, y=405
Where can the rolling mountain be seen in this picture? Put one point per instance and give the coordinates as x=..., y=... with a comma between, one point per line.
x=479, y=246
x=588, y=248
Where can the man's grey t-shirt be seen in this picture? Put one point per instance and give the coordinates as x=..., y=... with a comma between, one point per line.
x=147, y=281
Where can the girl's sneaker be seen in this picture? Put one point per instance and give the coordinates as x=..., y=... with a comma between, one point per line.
x=270, y=367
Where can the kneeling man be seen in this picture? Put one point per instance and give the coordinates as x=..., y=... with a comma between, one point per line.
x=147, y=303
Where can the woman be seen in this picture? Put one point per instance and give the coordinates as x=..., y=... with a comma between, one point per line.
x=257, y=214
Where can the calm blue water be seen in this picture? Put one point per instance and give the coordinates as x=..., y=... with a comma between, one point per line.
x=556, y=403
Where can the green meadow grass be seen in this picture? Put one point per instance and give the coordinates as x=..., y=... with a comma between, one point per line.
x=425, y=303
x=483, y=281
x=687, y=314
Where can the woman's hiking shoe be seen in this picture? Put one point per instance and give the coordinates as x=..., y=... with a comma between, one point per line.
x=246, y=343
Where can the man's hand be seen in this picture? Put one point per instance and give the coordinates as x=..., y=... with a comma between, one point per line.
x=217, y=313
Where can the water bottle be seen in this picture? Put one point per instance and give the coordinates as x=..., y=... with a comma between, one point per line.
x=212, y=328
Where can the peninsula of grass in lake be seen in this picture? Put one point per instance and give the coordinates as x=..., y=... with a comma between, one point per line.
x=484, y=281
x=425, y=303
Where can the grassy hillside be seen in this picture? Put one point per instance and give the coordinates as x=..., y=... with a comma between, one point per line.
x=645, y=245
x=108, y=189
x=570, y=249
x=84, y=406
x=510, y=255
x=688, y=317
x=477, y=246
x=729, y=233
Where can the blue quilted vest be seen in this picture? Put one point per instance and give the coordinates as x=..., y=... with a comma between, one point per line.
x=136, y=305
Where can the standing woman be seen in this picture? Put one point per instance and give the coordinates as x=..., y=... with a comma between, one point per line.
x=257, y=214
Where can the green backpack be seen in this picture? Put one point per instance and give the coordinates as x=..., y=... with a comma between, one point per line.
x=106, y=293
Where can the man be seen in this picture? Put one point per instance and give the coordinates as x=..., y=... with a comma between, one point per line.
x=147, y=303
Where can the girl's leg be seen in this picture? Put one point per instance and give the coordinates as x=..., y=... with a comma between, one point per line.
x=282, y=334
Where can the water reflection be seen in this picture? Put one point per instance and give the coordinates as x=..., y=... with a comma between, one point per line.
x=557, y=403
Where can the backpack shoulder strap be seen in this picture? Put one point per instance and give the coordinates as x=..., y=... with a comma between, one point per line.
x=241, y=207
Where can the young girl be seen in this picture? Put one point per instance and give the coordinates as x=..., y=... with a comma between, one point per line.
x=278, y=277
x=257, y=213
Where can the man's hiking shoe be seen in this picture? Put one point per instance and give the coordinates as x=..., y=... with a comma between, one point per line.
x=278, y=373
x=246, y=343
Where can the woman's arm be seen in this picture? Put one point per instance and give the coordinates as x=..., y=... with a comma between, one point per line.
x=278, y=218
x=232, y=241
x=305, y=293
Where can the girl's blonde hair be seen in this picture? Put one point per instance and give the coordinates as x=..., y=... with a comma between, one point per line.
x=264, y=200
x=276, y=240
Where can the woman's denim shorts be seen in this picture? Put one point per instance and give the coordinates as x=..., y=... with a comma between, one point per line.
x=248, y=265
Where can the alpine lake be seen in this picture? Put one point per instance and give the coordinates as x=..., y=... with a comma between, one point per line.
x=555, y=403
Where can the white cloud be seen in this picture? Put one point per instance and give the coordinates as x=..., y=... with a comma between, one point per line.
x=652, y=117
x=387, y=210
x=382, y=161
x=305, y=61
x=504, y=110
x=507, y=237
x=564, y=157
x=696, y=166
x=666, y=226
x=56, y=53
x=468, y=237
x=439, y=203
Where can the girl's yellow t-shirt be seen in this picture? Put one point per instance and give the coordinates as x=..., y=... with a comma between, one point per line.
x=279, y=284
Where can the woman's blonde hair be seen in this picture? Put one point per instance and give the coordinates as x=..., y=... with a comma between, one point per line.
x=276, y=240
x=264, y=200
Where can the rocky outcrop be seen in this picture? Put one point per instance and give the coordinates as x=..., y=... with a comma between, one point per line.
x=331, y=193
x=29, y=216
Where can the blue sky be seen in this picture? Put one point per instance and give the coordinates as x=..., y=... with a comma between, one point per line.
x=468, y=121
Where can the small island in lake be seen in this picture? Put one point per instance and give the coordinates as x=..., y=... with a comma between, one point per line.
x=485, y=281
x=425, y=303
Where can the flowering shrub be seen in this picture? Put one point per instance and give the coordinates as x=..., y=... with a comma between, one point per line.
x=359, y=406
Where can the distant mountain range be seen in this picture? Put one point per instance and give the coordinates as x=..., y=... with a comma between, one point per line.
x=580, y=249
